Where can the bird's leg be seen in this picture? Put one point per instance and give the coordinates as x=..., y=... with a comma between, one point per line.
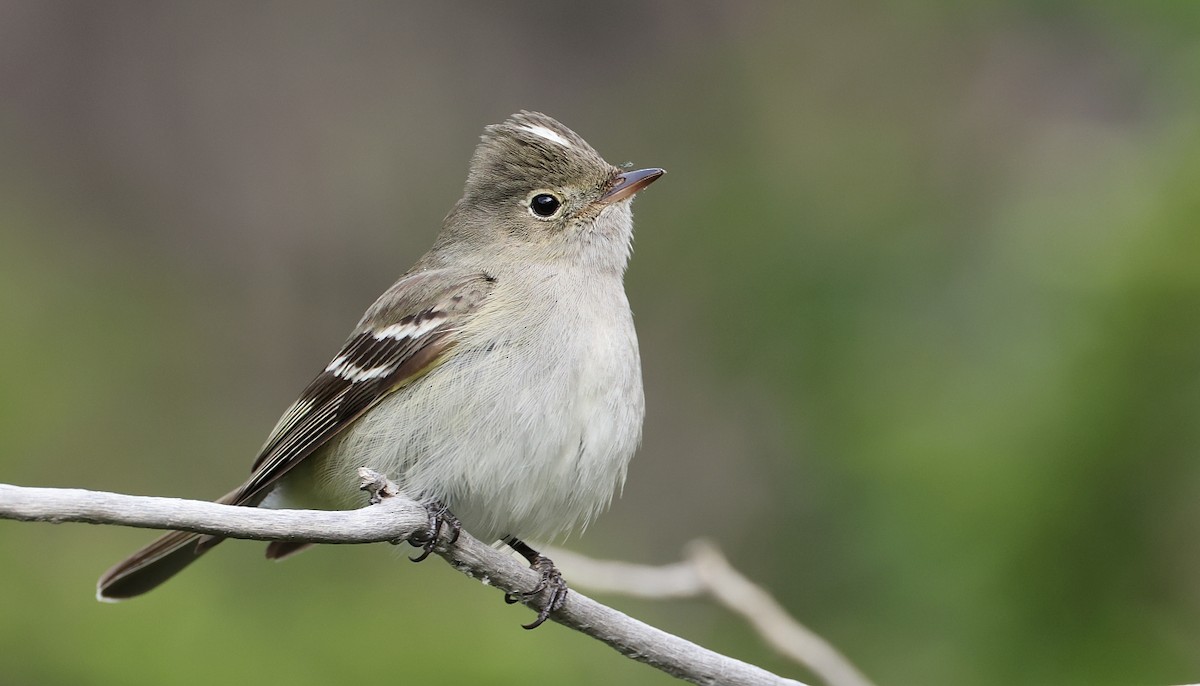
x=551, y=583
x=439, y=518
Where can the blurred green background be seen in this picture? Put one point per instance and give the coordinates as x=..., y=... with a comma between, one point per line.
x=919, y=304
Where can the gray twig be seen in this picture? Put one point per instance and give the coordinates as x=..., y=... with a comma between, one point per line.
x=706, y=572
x=393, y=518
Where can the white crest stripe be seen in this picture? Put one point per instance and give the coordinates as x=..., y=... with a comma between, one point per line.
x=549, y=134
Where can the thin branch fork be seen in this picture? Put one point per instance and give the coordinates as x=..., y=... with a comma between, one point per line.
x=392, y=518
x=706, y=572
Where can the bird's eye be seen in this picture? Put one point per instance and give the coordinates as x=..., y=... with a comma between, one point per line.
x=544, y=205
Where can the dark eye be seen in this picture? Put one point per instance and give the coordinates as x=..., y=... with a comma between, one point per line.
x=544, y=205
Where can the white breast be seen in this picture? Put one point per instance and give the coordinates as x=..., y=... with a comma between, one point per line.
x=528, y=426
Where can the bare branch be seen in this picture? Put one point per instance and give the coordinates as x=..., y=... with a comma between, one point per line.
x=706, y=572
x=393, y=518
x=765, y=614
x=665, y=582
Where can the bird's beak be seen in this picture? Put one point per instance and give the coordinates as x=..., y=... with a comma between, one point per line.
x=625, y=185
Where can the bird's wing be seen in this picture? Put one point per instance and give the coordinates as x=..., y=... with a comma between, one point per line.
x=401, y=337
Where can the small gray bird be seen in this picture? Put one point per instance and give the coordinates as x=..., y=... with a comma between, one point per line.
x=498, y=379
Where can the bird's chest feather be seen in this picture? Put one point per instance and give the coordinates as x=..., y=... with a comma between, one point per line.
x=569, y=382
x=524, y=429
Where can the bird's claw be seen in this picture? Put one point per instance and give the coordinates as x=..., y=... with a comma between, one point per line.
x=550, y=586
x=440, y=517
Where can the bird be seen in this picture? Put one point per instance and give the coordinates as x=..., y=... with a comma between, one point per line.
x=498, y=381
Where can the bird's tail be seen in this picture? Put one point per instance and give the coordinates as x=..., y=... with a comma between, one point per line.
x=157, y=562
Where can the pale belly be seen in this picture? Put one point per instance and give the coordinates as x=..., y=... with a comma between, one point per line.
x=513, y=443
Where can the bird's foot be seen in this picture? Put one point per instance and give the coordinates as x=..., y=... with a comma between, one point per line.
x=551, y=586
x=440, y=517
